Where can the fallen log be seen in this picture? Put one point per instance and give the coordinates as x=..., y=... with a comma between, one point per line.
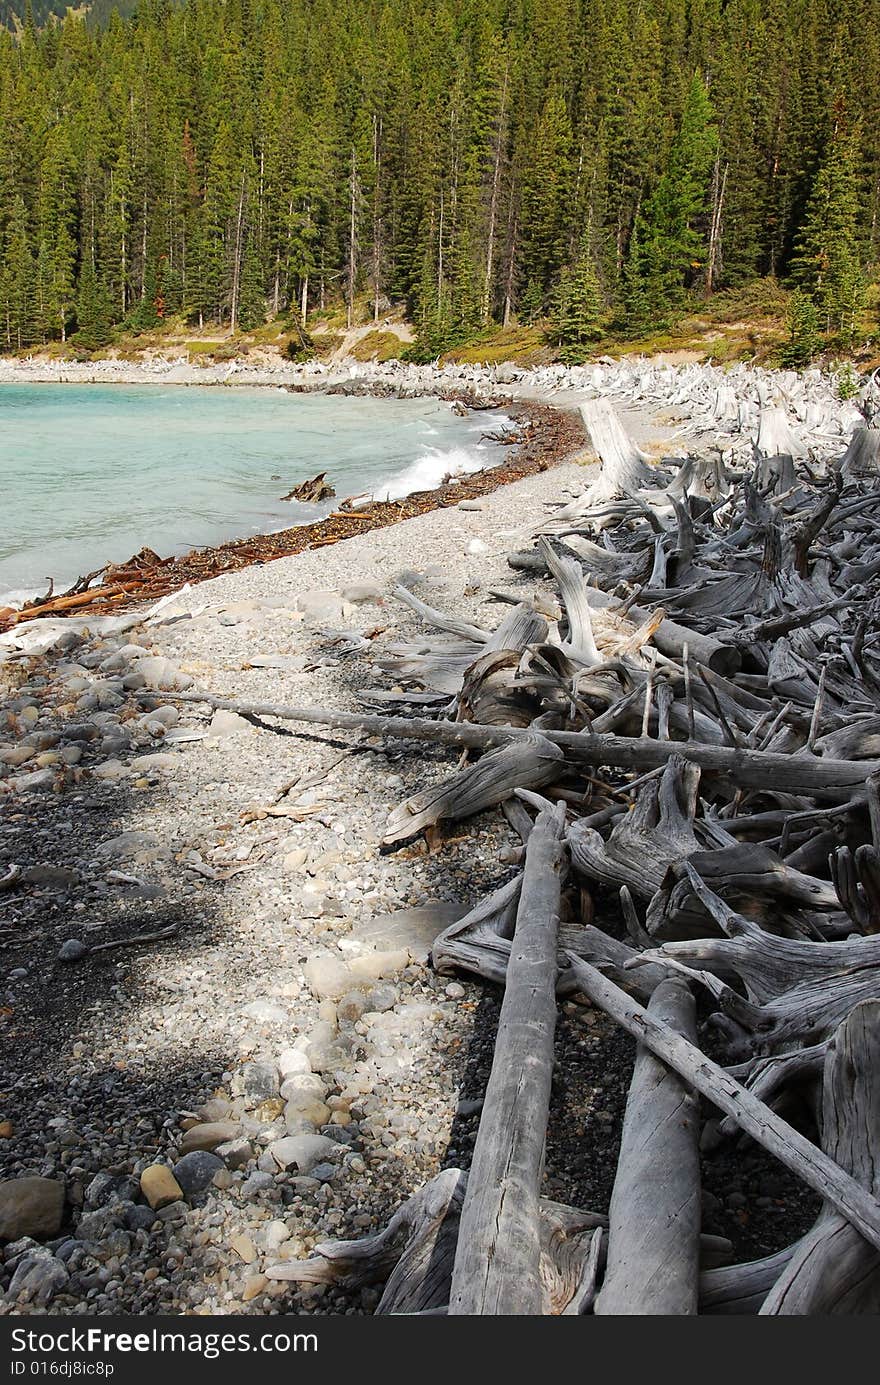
x=654, y=1218
x=498, y=1260
x=839, y=780
x=792, y=1149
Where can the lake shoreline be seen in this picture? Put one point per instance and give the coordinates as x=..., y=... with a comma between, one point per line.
x=546, y=436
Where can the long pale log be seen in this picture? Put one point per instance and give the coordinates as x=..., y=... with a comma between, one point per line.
x=839, y=780
x=654, y=1217
x=791, y=1148
x=498, y=1262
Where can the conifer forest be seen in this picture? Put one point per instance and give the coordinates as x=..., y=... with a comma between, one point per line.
x=480, y=161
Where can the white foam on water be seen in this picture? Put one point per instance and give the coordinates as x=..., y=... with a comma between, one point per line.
x=428, y=472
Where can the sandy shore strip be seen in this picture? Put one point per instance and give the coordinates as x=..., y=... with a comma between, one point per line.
x=280, y=1049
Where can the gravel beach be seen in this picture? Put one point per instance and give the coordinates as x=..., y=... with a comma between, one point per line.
x=193, y=1111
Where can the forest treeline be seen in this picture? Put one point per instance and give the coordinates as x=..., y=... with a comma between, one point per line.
x=479, y=160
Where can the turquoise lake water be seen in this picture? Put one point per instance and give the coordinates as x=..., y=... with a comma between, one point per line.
x=92, y=473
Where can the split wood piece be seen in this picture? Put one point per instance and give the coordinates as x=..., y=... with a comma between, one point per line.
x=480, y=942
x=654, y=1217
x=839, y=780
x=443, y=665
x=791, y=1148
x=657, y=831
x=525, y=764
x=490, y=694
x=671, y=638
x=747, y=875
x=862, y=457
x=439, y=666
x=767, y=965
x=580, y=644
x=834, y=1270
x=462, y=629
x=856, y=876
x=858, y=740
x=412, y=1256
x=498, y=1261
x=742, y=1289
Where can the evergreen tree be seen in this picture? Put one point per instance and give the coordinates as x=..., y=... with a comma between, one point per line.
x=198, y=155
x=18, y=304
x=58, y=230
x=93, y=309
x=804, y=339
x=826, y=264
x=578, y=314
x=670, y=235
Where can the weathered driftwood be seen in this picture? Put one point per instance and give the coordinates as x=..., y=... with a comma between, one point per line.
x=862, y=457
x=741, y=1289
x=671, y=638
x=624, y=467
x=812, y=1165
x=527, y=763
x=658, y=831
x=498, y=1261
x=840, y=780
x=654, y=1218
x=747, y=875
x=797, y=991
x=412, y=1256
x=312, y=491
x=834, y=1270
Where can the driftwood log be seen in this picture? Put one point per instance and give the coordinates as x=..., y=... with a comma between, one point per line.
x=498, y=1262
x=654, y=1220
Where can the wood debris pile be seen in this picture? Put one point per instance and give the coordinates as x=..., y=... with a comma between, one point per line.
x=717, y=636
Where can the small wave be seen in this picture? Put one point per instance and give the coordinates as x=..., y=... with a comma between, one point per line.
x=428, y=472
x=17, y=597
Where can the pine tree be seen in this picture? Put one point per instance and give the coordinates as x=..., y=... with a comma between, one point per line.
x=578, y=314
x=93, y=310
x=670, y=235
x=18, y=304
x=804, y=339
x=58, y=229
x=826, y=263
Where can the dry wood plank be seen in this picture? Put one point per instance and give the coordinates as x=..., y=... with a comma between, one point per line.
x=523, y=764
x=498, y=1261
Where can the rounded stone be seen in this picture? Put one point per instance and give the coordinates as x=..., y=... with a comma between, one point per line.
x=195, y=1171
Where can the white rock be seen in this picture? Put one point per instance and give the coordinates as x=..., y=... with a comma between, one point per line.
x=476, y=547
x=328, y=978
x=230, y=724
x=291, y=1062
x=160, y=673
x=302, y=1151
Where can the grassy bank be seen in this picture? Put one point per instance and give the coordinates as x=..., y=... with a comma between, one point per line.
x=750, y=323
